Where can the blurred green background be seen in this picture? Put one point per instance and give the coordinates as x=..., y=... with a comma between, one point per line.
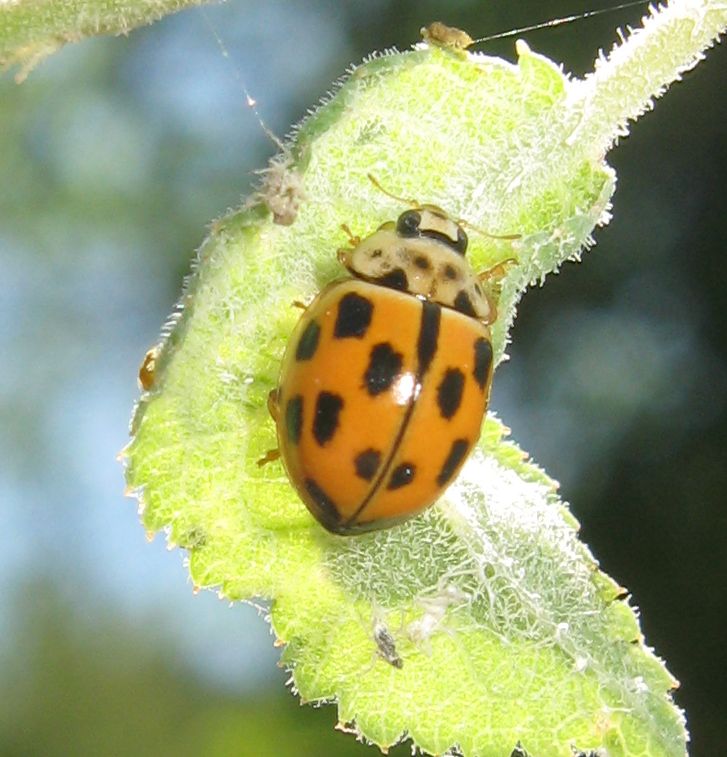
x=115, y=155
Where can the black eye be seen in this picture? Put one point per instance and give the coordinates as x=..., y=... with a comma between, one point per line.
x=408, y=224
x=461, y=244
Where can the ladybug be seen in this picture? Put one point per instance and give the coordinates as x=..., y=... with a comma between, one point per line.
x=386, y=377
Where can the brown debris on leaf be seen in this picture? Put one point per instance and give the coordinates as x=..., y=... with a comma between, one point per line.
x=281, y=190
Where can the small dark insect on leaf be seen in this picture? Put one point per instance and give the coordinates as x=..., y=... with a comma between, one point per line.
x=386, y=645
x=440, y=34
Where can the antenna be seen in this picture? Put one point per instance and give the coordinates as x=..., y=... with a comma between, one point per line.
x=508, y=237
x=377, y=184
x=418, y=206
x=557, y=21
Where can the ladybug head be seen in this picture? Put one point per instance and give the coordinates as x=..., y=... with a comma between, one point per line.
x=422, y=254
x=427, y=221
x=432, y=222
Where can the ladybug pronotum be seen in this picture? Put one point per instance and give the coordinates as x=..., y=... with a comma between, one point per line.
x=386, y=377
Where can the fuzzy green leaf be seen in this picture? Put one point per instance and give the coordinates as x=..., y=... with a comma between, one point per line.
x=504, y=626
x=30, y=30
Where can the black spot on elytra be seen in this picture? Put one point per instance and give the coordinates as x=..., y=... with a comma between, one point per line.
x=428, y=335
x=395, y=279
x=402, y=475
x=327, y=512
x=483, y=361
x=422, y=262
x=354, y=316
x=450, y=272
x=308, y=343
x=294, y=418
x=456, y=455
x=463, y=303
x=325, y=420
x=384, y=366
x=449, y=392
x=367, y=463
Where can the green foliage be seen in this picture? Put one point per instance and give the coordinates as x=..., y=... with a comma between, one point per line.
x=30, y=30
x=506, y=628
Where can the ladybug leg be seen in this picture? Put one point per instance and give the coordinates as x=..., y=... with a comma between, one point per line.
x=272, y=454
x=353, y=239
x=491, y=310
x=273, y=407
x=301, y=306
x=497, y=272
x=344, y=253
x=269, y=457
x=492, y=278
